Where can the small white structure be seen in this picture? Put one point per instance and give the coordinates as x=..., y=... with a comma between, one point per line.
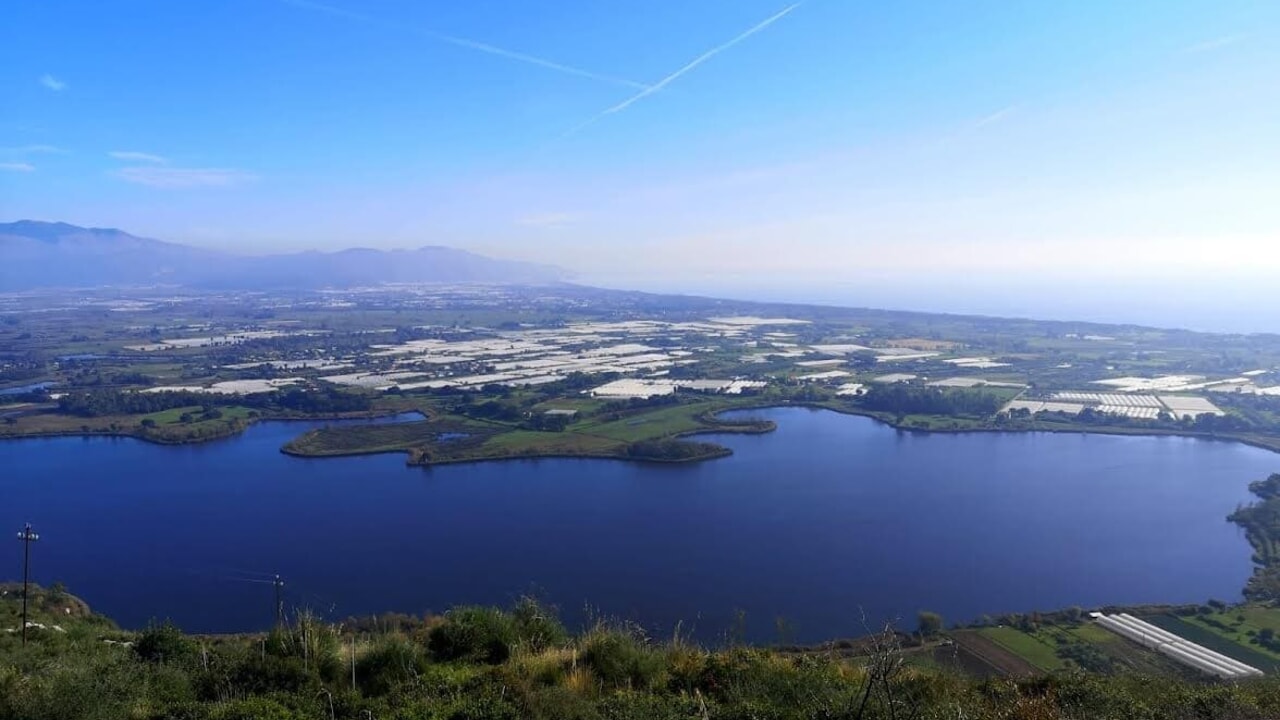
x=230, y=387
x=818, y=377
x=894, y=378
x=633, y=388
x=852, y=389
x=1184, y=651
x=833, y=362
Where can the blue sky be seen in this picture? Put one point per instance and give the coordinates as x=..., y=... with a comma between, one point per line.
x=840, y=142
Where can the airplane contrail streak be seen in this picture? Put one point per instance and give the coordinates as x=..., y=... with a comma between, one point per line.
x=465, y=43
x=646, y=92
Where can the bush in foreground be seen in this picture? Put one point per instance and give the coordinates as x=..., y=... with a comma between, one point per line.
x=487, y=664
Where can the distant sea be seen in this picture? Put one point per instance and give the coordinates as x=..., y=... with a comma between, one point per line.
x=1215, y=305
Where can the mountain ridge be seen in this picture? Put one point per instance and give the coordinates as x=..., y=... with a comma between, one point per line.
x=36, y=254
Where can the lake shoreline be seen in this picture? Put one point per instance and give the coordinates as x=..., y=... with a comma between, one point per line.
x=710, y=418
x=233, y=429
x=415, y=456
x=832, y=486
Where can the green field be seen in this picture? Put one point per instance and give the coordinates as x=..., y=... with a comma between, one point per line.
x=582, y=405
x=1031, y=648
x=652, y=424
x=1242, y=631
x=386, y=437
x=1217, y=641
x=606, y=436
x=174, y=416
x=1053, y=647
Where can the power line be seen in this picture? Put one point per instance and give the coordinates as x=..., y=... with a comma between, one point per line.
x=27, y=537
x=279, y=586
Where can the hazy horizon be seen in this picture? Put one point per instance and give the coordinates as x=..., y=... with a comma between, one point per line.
x=969, y=159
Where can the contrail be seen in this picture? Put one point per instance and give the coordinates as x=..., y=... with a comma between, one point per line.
x=646, y=92
x=465, y=43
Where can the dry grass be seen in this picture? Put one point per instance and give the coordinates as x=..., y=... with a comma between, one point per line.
x=547, y=667
x=581, y=682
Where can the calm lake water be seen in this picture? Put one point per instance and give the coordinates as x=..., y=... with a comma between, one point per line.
x=827, y=519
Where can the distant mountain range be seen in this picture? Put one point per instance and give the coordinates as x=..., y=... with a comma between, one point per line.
x=36, y=254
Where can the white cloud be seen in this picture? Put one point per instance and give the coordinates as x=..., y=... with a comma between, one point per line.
x=549, y=220
x=1214, y=43
x=17, y=167
x=994, y=117
x=52, y=82
x=33, y=150
x=131, y=156
x=172, y=177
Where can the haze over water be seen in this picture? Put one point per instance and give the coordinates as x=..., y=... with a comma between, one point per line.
x=820, y=522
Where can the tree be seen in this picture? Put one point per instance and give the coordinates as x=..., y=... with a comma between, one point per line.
x=163, y=642
x=930, y=623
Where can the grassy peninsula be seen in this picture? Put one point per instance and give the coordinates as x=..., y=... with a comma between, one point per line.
x=467, y=432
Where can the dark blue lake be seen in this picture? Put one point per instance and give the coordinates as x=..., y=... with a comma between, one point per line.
x=828, y=518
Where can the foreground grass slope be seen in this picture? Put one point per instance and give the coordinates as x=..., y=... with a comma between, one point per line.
x=485, y=663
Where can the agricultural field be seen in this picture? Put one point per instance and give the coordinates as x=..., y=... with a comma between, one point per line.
x=976, y=654
x=1057, y=644
x=1031, y=647
x=387, y=437
x=521, y=358
x=1234, y=642
x=1243, y=626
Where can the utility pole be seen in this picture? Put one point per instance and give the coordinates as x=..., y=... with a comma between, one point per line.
x=279, y=586
x=27, y=537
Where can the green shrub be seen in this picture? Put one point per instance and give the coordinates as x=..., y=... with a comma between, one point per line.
x=537, y=626
x=473, y=634
x=622, y=658
x=929, y=623
x=758, y=677
x=391, y=662
x=266, y=673
x=630, y=705
x=309, y=639
x=255, y=708
x=483, y=703
x=163, y=642
x=559, y=703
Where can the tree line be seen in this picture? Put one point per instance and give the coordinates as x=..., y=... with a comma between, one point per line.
x=99, y=403
x=1261, y=523
x=672, y=450
x=906, y=399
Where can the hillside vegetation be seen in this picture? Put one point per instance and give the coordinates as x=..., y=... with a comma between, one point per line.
x=485, y=663
x=1261, y=522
